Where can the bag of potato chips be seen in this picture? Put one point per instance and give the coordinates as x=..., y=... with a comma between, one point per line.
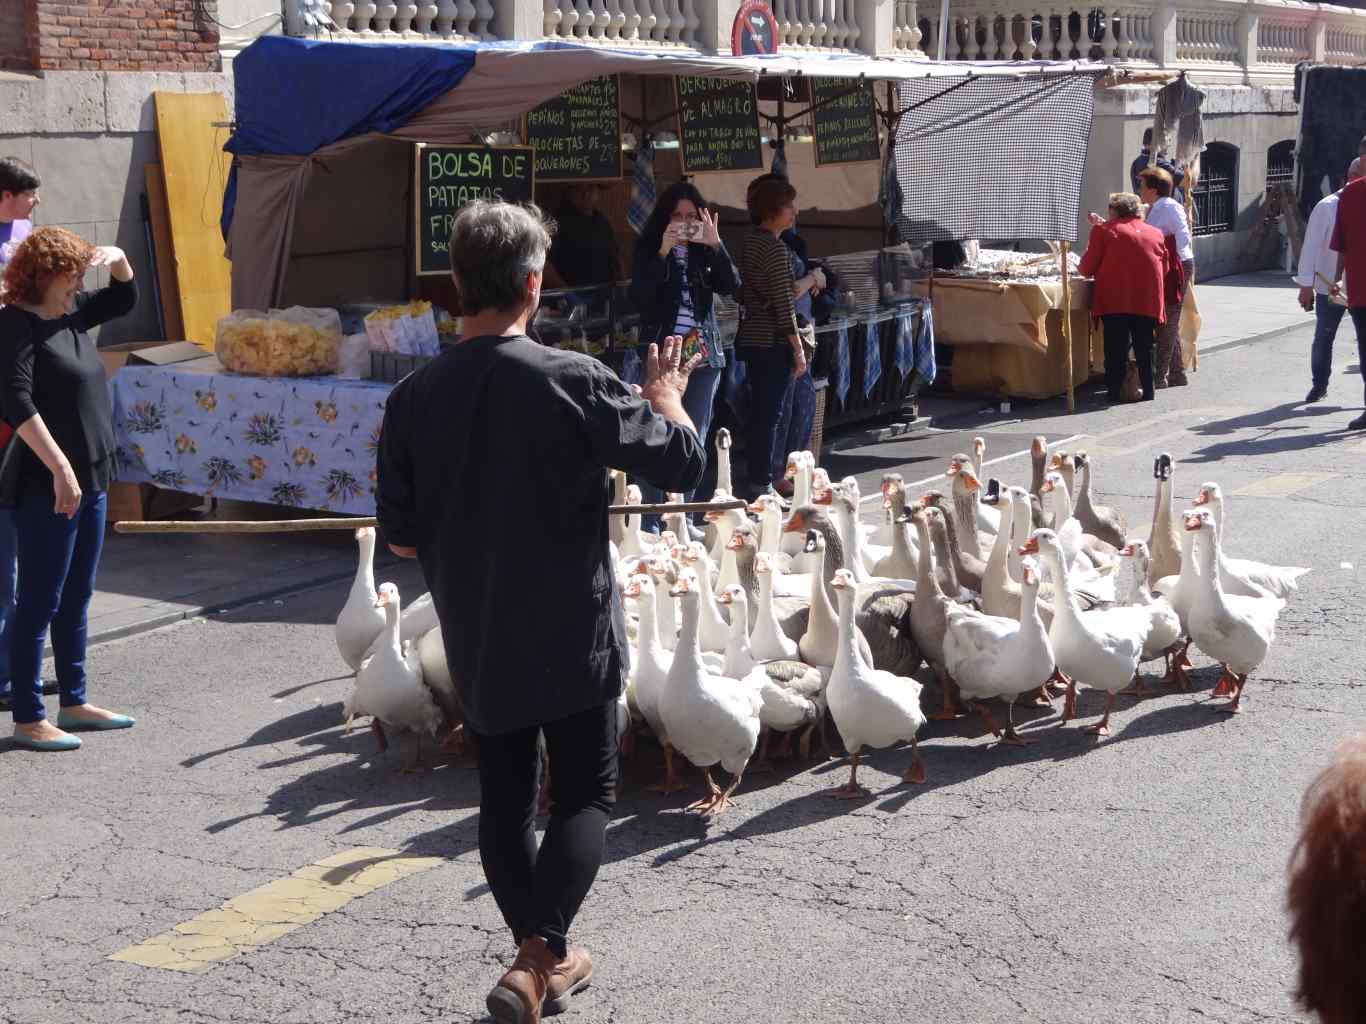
x=294, y=342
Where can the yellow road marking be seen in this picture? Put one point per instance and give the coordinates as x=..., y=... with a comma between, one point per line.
x=1282, y=484
x=247, y=922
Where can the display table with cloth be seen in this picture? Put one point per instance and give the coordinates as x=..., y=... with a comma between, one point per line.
x=307, y=442
x=1007, y=335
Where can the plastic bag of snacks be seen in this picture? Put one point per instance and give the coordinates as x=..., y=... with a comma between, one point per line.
x=353, y=359
x=294, y=342
x=408, y=330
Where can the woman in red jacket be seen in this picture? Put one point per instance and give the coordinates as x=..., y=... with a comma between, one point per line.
x=1129, y=262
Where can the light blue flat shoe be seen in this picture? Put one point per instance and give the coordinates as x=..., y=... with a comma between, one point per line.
x=65, y=743
x=73, y=724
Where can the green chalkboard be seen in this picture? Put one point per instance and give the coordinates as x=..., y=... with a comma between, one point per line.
x=577, y=135
x=845, y=122
x=718, y=125
x=448, y=177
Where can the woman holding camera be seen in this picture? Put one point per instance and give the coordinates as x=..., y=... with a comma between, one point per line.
x=767, y=339
x=680, y=264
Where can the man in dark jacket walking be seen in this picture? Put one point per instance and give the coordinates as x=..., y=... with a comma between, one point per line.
x=493, y=473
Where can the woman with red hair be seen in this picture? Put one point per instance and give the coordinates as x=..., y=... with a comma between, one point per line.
x=1327, y=897
x=53, y=394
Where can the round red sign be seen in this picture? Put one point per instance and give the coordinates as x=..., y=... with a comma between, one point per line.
x=755, y=31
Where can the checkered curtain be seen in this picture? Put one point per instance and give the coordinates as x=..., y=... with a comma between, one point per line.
x=992, y=158
x=642, y=186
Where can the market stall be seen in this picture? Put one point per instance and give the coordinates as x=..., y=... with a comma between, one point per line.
x=342, y=206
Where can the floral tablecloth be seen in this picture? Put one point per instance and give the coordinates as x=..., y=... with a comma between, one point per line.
x=303, y=441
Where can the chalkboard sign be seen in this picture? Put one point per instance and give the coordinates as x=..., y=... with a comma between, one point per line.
x=718, y=121
x=846, y=125
x=577, y=135
x=448, y=177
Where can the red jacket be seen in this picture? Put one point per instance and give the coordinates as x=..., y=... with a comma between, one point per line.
x=1129, y=261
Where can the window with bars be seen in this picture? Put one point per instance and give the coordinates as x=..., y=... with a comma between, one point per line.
x=1280, y=163
x=1216, y=193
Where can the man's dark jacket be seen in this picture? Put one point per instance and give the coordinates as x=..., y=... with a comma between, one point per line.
x=493, y=464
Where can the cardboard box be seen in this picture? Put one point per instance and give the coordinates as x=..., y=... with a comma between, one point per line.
x=148, y=353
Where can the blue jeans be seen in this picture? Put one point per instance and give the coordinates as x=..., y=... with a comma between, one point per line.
x=1327, y=316
x=58, y=558
x=9, y=573
x=697, y=402
x=769, y=369
x=795, y=423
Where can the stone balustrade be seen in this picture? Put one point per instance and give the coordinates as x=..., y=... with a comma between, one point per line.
x=1237, y=40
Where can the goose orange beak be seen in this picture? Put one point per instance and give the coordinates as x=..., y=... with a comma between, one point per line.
x=1046, y=487
x=953, y=470
x=1127, y=551
x=1193, y=523
x=796, y=523
x=1202, y=498
x=724, y=597
x=970, y=479
x=735, y=543
x=1031, y=547
x=825, y=497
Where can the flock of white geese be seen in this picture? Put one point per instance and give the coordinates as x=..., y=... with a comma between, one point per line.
x=778, y=615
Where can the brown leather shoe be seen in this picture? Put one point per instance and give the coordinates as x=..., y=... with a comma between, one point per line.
x=517, y=997
x=569, y=977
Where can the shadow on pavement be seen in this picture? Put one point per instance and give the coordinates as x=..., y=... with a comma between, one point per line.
x=1284, y=429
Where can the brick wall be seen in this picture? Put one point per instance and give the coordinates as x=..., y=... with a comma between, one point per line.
x=123, y=35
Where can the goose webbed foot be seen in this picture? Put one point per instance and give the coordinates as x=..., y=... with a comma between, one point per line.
x=453, y=743
x=1224, y=687
x=1102, y=728
x=671, y=782
x=1069, y=705
x=1137, y=689
x=1014, y=739
x=851, y=790
x=948, y=710
x=416, y=766
x=915, y=771
x=987, y=717
x=1234, y=706
x=1040, y=698
x=804, y=744
x=705, y=805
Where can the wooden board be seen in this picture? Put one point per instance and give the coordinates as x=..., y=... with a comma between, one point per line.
x=165, y=252
x=195, y=169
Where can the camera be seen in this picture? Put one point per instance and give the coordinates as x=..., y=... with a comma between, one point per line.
x=688, y=229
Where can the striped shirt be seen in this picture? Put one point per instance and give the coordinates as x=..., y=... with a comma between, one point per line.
x=686, y=320
x=766, y=290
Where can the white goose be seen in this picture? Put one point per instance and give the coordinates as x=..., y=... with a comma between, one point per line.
x=362, y=618
x=991, y=656
x=769, y=641
x=800, y=468
x=723, y=480
x=650, y=671
x=871, y=707
x=1180, y=592
x=901, y=561
x=988, y=519
x=1101, y=647
x=630, y=546
x=1164, y=539
x=664, y=570
x=1242, y=575
x=1131, y=588
x=714, y=629
x=389, y=686
x=710, y=719
x=1234, y=630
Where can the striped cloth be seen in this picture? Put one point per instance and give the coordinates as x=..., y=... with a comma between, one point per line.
x=841, y=367
x=872, y=358
x=643, y=196
x=924, y=345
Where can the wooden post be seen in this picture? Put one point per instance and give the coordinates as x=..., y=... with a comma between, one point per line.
x=1067, y=325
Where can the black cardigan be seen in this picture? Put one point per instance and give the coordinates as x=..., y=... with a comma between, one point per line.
x=50, y=368
x=493, y=464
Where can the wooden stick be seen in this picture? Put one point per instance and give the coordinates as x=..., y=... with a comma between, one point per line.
x=358, y=522
x=1065, y=247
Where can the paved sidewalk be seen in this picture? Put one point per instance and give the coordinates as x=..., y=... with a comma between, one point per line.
x=149, y=581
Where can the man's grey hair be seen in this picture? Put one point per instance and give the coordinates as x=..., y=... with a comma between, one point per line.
x=1356, y=169
x=494, y=246
x=1125, y=204
x=1361, y=146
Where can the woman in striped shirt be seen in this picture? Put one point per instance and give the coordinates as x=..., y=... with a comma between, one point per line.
x=767, y=339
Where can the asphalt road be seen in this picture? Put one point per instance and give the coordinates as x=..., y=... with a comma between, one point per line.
x=1137, y=878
